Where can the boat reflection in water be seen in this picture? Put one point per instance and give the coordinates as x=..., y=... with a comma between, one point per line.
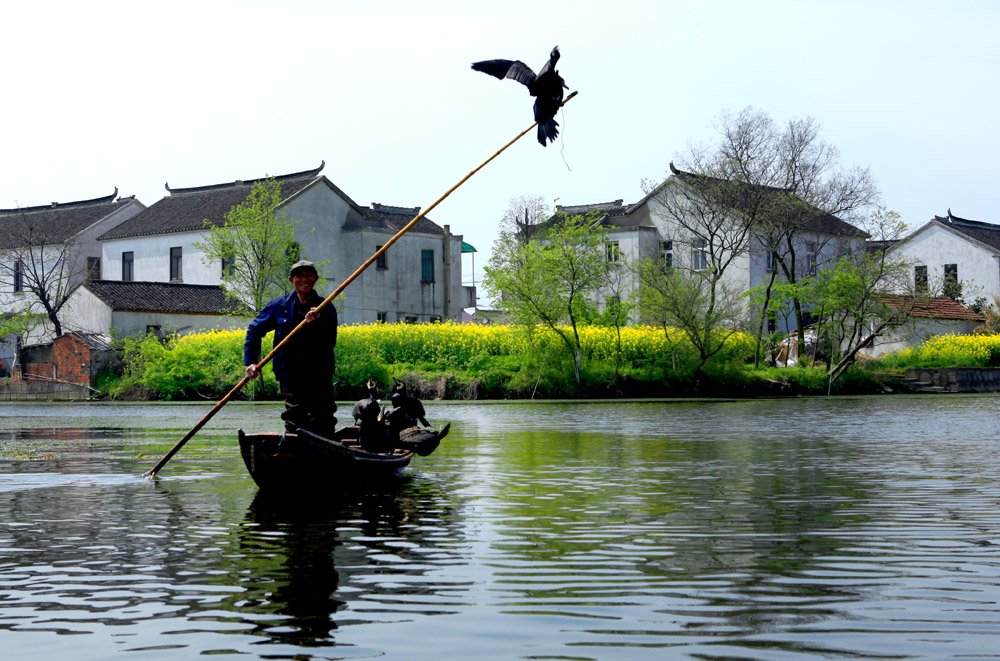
x=296, y=556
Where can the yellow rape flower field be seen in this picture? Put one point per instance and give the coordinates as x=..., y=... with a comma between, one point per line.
x=203, y=364
x=976, y=350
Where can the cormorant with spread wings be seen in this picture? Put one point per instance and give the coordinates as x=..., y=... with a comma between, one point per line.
x=547, y=88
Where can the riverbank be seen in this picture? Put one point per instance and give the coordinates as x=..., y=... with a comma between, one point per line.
x=431, y=385
x=467, y=362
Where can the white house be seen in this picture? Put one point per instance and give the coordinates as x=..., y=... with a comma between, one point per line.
x=139, y=308
x=644, y=229
x=951, y=247
x=45, y=251
x=419, y=278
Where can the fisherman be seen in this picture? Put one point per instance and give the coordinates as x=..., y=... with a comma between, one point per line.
x=305, y=366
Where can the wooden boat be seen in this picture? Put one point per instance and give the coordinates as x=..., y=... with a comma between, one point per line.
x=305, y=459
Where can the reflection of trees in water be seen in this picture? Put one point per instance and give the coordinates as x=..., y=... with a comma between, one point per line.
x=295, y=553
x=724, y=524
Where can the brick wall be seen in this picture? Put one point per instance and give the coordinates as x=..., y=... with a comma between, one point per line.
x=72, y=359
x=41, y=370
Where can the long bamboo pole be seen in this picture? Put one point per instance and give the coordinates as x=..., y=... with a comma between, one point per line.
x=336, y=292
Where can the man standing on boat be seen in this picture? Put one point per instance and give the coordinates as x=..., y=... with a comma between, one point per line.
x=305, y=366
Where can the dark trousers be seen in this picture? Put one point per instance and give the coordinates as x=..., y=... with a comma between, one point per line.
x=309, y=404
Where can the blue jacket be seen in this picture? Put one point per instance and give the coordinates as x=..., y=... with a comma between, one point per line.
x=309, y=354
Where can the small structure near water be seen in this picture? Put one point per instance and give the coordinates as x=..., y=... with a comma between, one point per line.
x=65, y=368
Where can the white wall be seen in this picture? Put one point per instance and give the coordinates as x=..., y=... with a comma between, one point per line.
x=86, y=313
x=151, y=259
x=135, y=323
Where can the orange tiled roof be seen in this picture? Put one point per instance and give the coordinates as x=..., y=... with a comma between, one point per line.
x=937, y=307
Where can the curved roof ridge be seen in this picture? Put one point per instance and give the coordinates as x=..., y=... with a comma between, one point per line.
x=250, y=182
x=64, y=205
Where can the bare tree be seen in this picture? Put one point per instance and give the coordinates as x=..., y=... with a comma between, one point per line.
x=523, y=214
x=789, y=186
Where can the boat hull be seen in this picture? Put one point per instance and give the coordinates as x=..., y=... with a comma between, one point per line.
x=304, y=460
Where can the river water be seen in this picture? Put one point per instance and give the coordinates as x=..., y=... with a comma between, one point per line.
x=781, y=529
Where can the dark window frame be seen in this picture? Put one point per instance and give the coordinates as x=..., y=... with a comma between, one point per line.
x=667, y=254
x=381, y=262
x=613, y=252
x=128, y=266
x=920, y=279
x=18, y=275
x=426, y=266
x=93, y=268
x=176, y=264
x=951, y=272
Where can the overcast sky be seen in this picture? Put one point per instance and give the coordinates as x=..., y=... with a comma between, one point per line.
x=137, y=94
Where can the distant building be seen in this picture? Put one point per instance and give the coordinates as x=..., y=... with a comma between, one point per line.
x=54, y=247
x=643, y=230
x=140, y=308
x=936, y=315
x=949, y=247
x=418, y=279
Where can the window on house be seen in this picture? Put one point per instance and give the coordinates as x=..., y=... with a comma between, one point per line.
x=436, y=319
x=810, y=258
x=772, y=322
x=410, y=320
x=613, y=252
x=952, y=287
x=699, y=255
x=381, y=317
x=128, y=266
x=380, y=261
x=950, y=273
x=843, y=250
x=175, y=265
x=920, y=279
x=18, y=275
x=772, y=261
x=228, y=265
x=93, y=268
x=666, y=255
x=426, y=266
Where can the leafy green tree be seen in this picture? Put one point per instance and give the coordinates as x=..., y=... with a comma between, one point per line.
x=864, y=296
x=16, y=326
x=255, y=245
x=549, y=279
x=698, y=302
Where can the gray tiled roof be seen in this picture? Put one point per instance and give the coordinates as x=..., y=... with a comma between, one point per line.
x=809, y=219
x=56, y=222
x=985, y=233
x=162, y=297
x=383, y=216
x=615, y=208
x=186, y=209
